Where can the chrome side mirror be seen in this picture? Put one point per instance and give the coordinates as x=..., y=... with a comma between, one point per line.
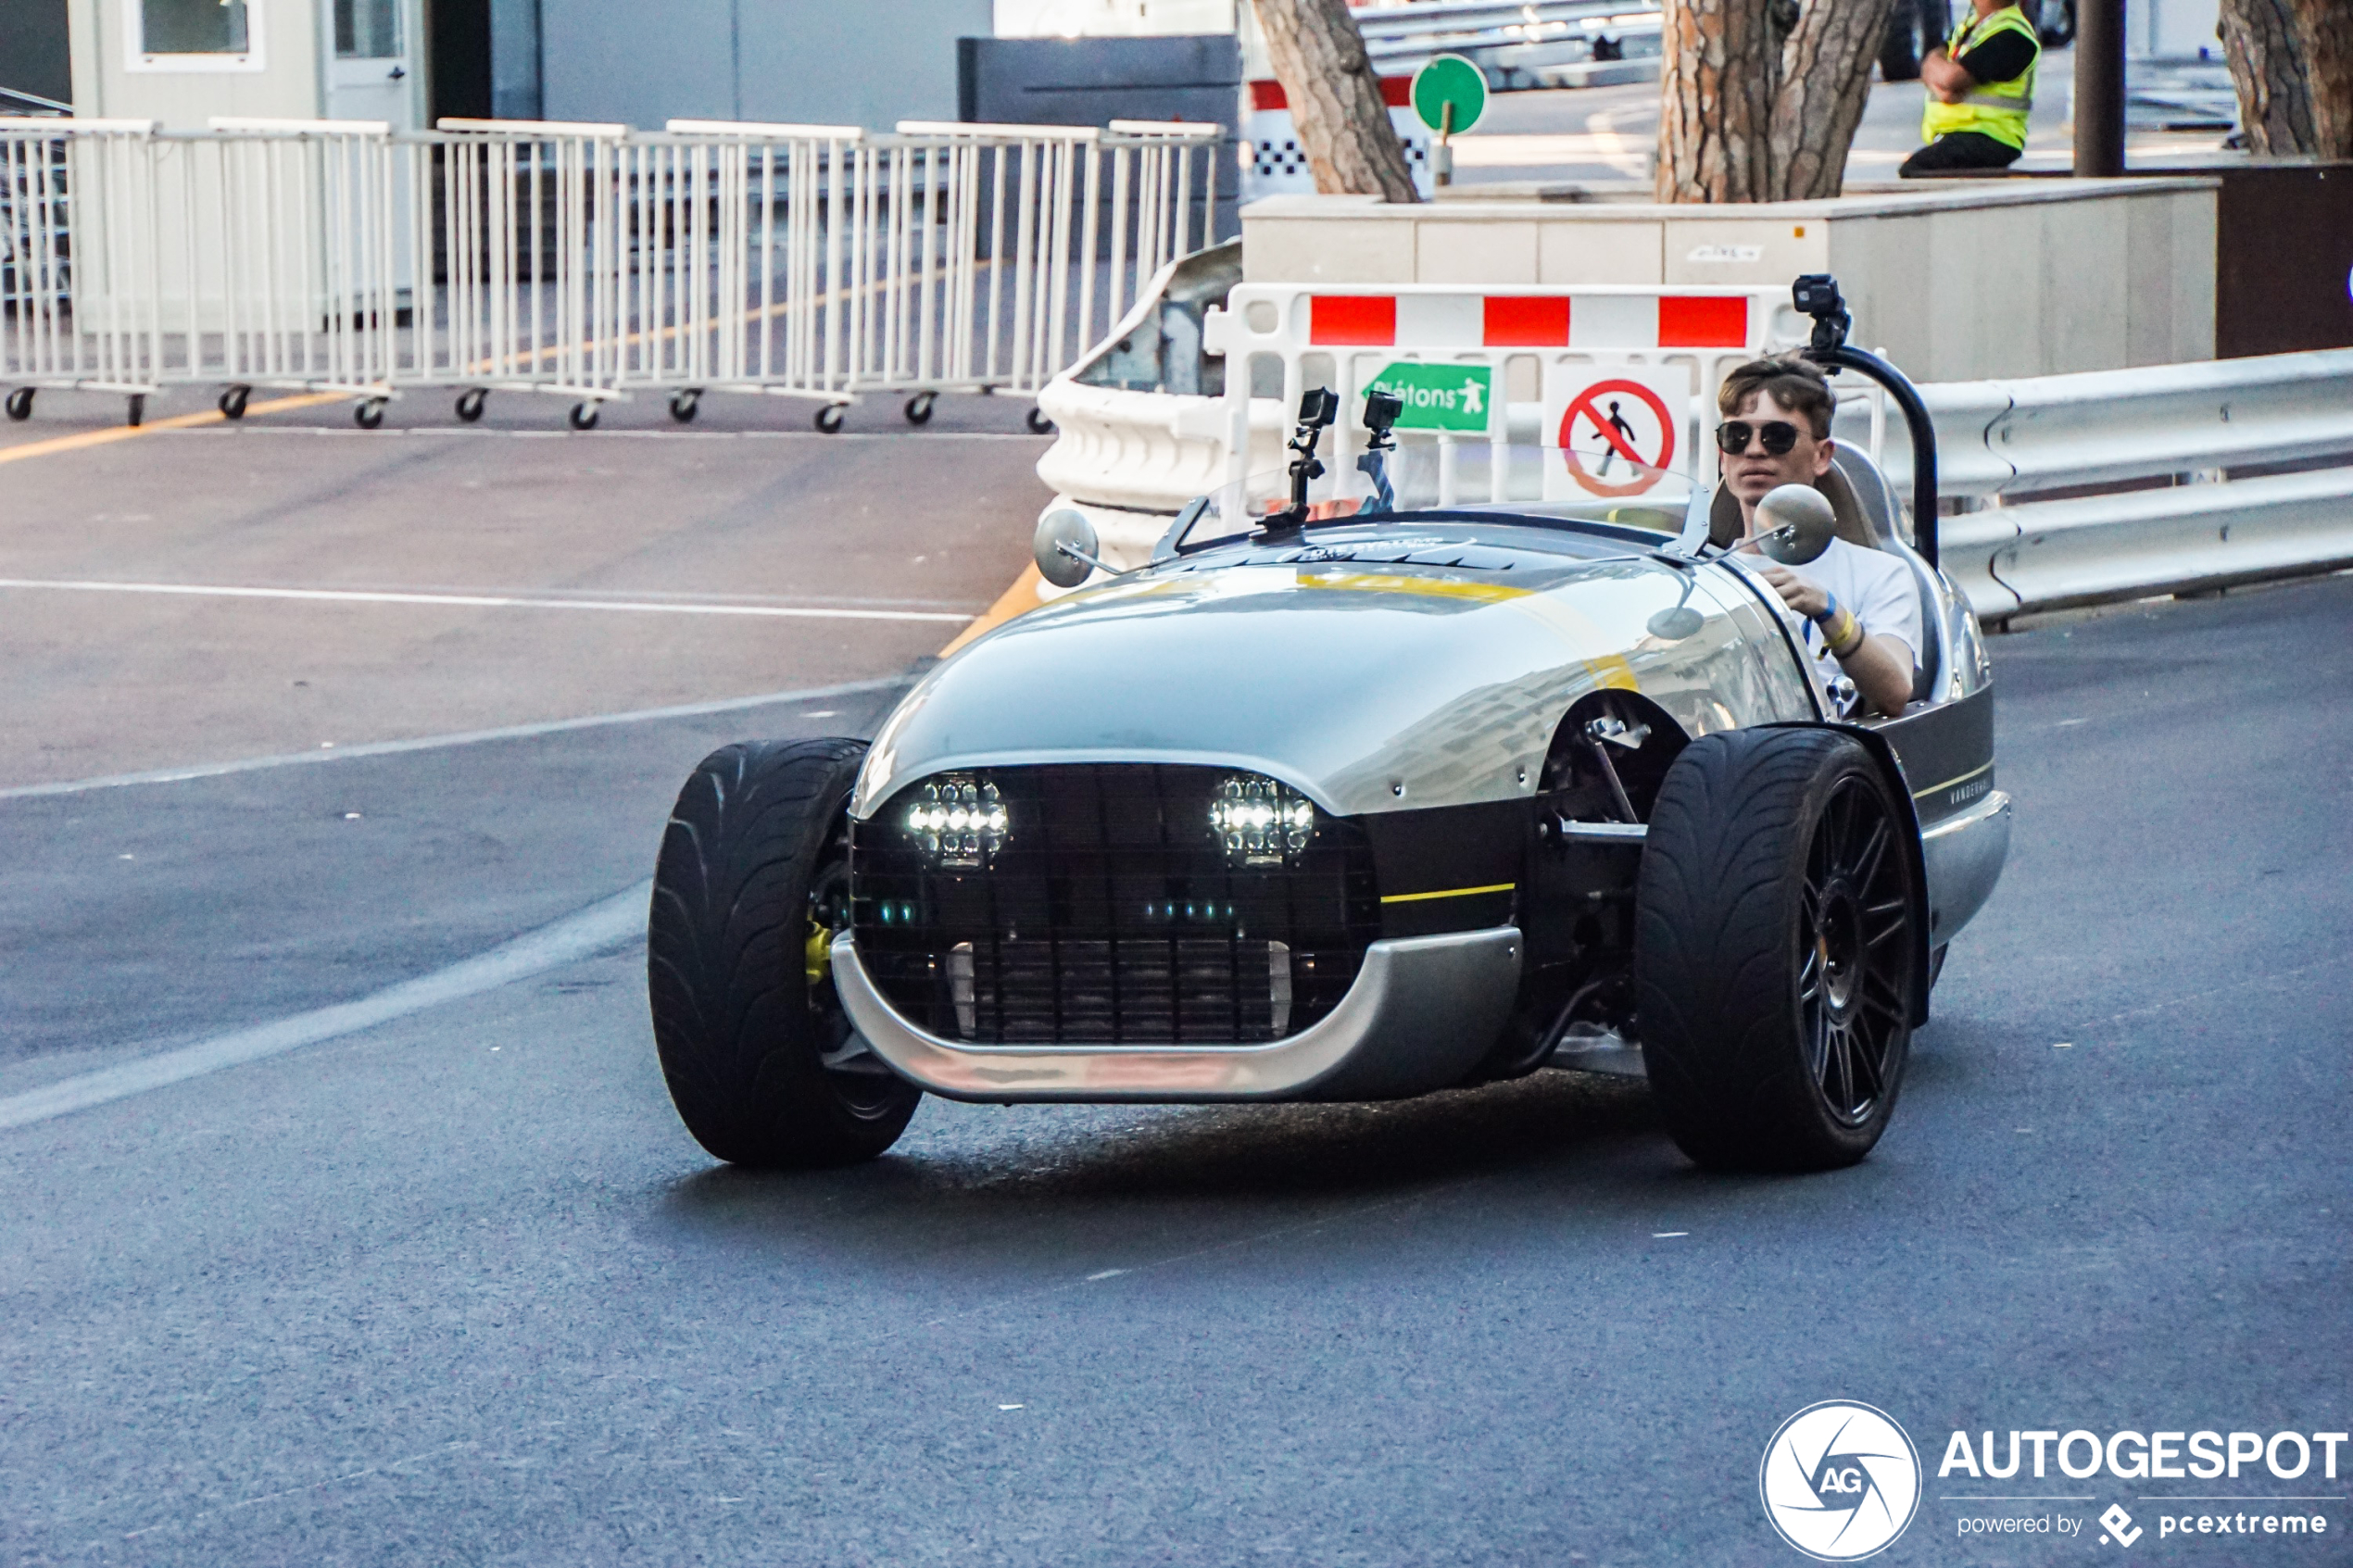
x=1065, y=548
x=1794, y=525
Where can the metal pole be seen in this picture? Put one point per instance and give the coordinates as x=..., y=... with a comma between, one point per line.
x=2099, y=88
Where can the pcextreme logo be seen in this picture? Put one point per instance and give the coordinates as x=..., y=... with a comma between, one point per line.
x=1839, y=1481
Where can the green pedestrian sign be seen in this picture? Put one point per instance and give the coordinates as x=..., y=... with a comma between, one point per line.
x=1438, y=397
x=1449, y=80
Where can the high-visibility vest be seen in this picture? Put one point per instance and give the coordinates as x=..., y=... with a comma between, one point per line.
x=1997, y=108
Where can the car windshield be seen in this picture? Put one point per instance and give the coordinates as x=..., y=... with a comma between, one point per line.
x=1546, y=486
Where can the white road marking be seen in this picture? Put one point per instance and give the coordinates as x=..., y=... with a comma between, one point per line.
x=484, y=601
x=1664, y=1236
x=1106, y=1273
x=604, y=925
x=468, y=737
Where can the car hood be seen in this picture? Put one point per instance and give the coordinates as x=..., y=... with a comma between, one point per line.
x=1368, y=686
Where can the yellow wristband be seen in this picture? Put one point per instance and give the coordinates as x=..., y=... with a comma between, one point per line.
x=1844, y=634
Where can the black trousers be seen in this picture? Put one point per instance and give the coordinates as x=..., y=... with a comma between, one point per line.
x=1959, y=149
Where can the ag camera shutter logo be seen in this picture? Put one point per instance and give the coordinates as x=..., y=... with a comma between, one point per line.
x=1839, y=1481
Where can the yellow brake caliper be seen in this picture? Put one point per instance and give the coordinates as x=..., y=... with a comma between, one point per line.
x=817, y=953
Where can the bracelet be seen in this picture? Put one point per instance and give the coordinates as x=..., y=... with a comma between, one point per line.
x=1842, y=633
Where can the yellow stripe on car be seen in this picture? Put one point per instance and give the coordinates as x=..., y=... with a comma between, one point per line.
x=1447, y=893
x=1400, y=583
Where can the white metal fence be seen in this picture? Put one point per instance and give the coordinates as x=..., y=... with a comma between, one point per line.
x=586, y=261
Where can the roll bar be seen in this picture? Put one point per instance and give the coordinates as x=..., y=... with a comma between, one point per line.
x=1817, y=295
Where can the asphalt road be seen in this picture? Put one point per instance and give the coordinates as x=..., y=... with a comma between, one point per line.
x=457, y=1288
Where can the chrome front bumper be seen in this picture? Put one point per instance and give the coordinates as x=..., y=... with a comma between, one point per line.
x=1422, y=1013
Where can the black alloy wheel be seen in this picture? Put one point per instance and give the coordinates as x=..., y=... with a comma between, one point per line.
x=1776, y=921
x=1854, y=964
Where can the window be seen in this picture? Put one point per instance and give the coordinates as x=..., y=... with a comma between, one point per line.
x=180, y=35
x=366, y=30
x=194, y=26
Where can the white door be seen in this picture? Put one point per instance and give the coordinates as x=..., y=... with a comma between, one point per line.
x=372, y=66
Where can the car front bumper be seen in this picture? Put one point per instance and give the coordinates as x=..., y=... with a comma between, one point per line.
x=1423, y=1012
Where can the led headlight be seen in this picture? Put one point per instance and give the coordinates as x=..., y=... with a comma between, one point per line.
x=1260, y=822
x=958, y=820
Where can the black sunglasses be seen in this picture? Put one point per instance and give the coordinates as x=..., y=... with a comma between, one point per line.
x=1779, y=435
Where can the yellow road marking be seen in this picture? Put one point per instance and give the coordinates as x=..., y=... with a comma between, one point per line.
x=177, y=422
x=1449, y=893
x=1019, y=599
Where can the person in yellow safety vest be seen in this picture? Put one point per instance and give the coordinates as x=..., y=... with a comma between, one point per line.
x=1981, y=85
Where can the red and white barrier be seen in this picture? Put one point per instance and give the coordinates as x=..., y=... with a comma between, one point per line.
x=1618, y=381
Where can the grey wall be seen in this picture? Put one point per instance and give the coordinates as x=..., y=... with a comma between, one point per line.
x=1195, y=76
x=515, y=60
x=869, y=62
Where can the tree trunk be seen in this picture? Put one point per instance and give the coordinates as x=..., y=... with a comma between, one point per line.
x=1826, y=81
x=1334, y=99
x=2324, y=34
x=1715, y=101
x=2267, y=66
x=1760, y=102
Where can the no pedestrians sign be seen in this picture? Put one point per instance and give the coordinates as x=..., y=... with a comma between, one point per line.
x=1619, y=428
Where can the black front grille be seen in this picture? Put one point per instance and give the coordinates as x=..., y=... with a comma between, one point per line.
x=1110, y=914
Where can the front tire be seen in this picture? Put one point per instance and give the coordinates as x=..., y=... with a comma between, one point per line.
x=1775, y=920
x=751, y=883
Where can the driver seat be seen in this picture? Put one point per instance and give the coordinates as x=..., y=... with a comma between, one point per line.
x=1849, y=521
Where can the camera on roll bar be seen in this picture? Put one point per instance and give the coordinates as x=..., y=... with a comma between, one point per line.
x=1815, y=294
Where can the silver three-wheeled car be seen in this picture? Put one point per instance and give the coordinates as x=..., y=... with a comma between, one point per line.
x=1318, y=807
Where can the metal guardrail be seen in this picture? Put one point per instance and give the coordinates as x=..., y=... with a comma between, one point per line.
x=2169, y=449
x=583, y=260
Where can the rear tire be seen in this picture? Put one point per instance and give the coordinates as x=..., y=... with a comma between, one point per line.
x=762, y=1064
x=1774, y=930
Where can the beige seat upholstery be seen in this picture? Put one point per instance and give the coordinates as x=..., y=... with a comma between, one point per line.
x=1850, y=523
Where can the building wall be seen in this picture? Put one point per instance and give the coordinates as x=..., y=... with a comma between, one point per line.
x=871, y=64
x=287, y=84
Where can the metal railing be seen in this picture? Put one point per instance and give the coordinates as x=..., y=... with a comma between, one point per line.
x=582, y=260
x=2117, y=484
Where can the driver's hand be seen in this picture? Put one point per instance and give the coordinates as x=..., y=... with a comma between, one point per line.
x=1808, y=599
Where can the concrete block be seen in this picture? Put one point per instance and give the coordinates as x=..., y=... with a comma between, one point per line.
x=1451, y=250
x=1600, y=250
x=1729, y=247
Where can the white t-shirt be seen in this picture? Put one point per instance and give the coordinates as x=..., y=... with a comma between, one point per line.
x=1877, y=586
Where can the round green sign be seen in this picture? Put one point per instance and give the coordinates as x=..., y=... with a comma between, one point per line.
x=1450, y=79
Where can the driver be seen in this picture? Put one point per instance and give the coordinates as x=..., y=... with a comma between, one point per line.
x=1862, y=614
